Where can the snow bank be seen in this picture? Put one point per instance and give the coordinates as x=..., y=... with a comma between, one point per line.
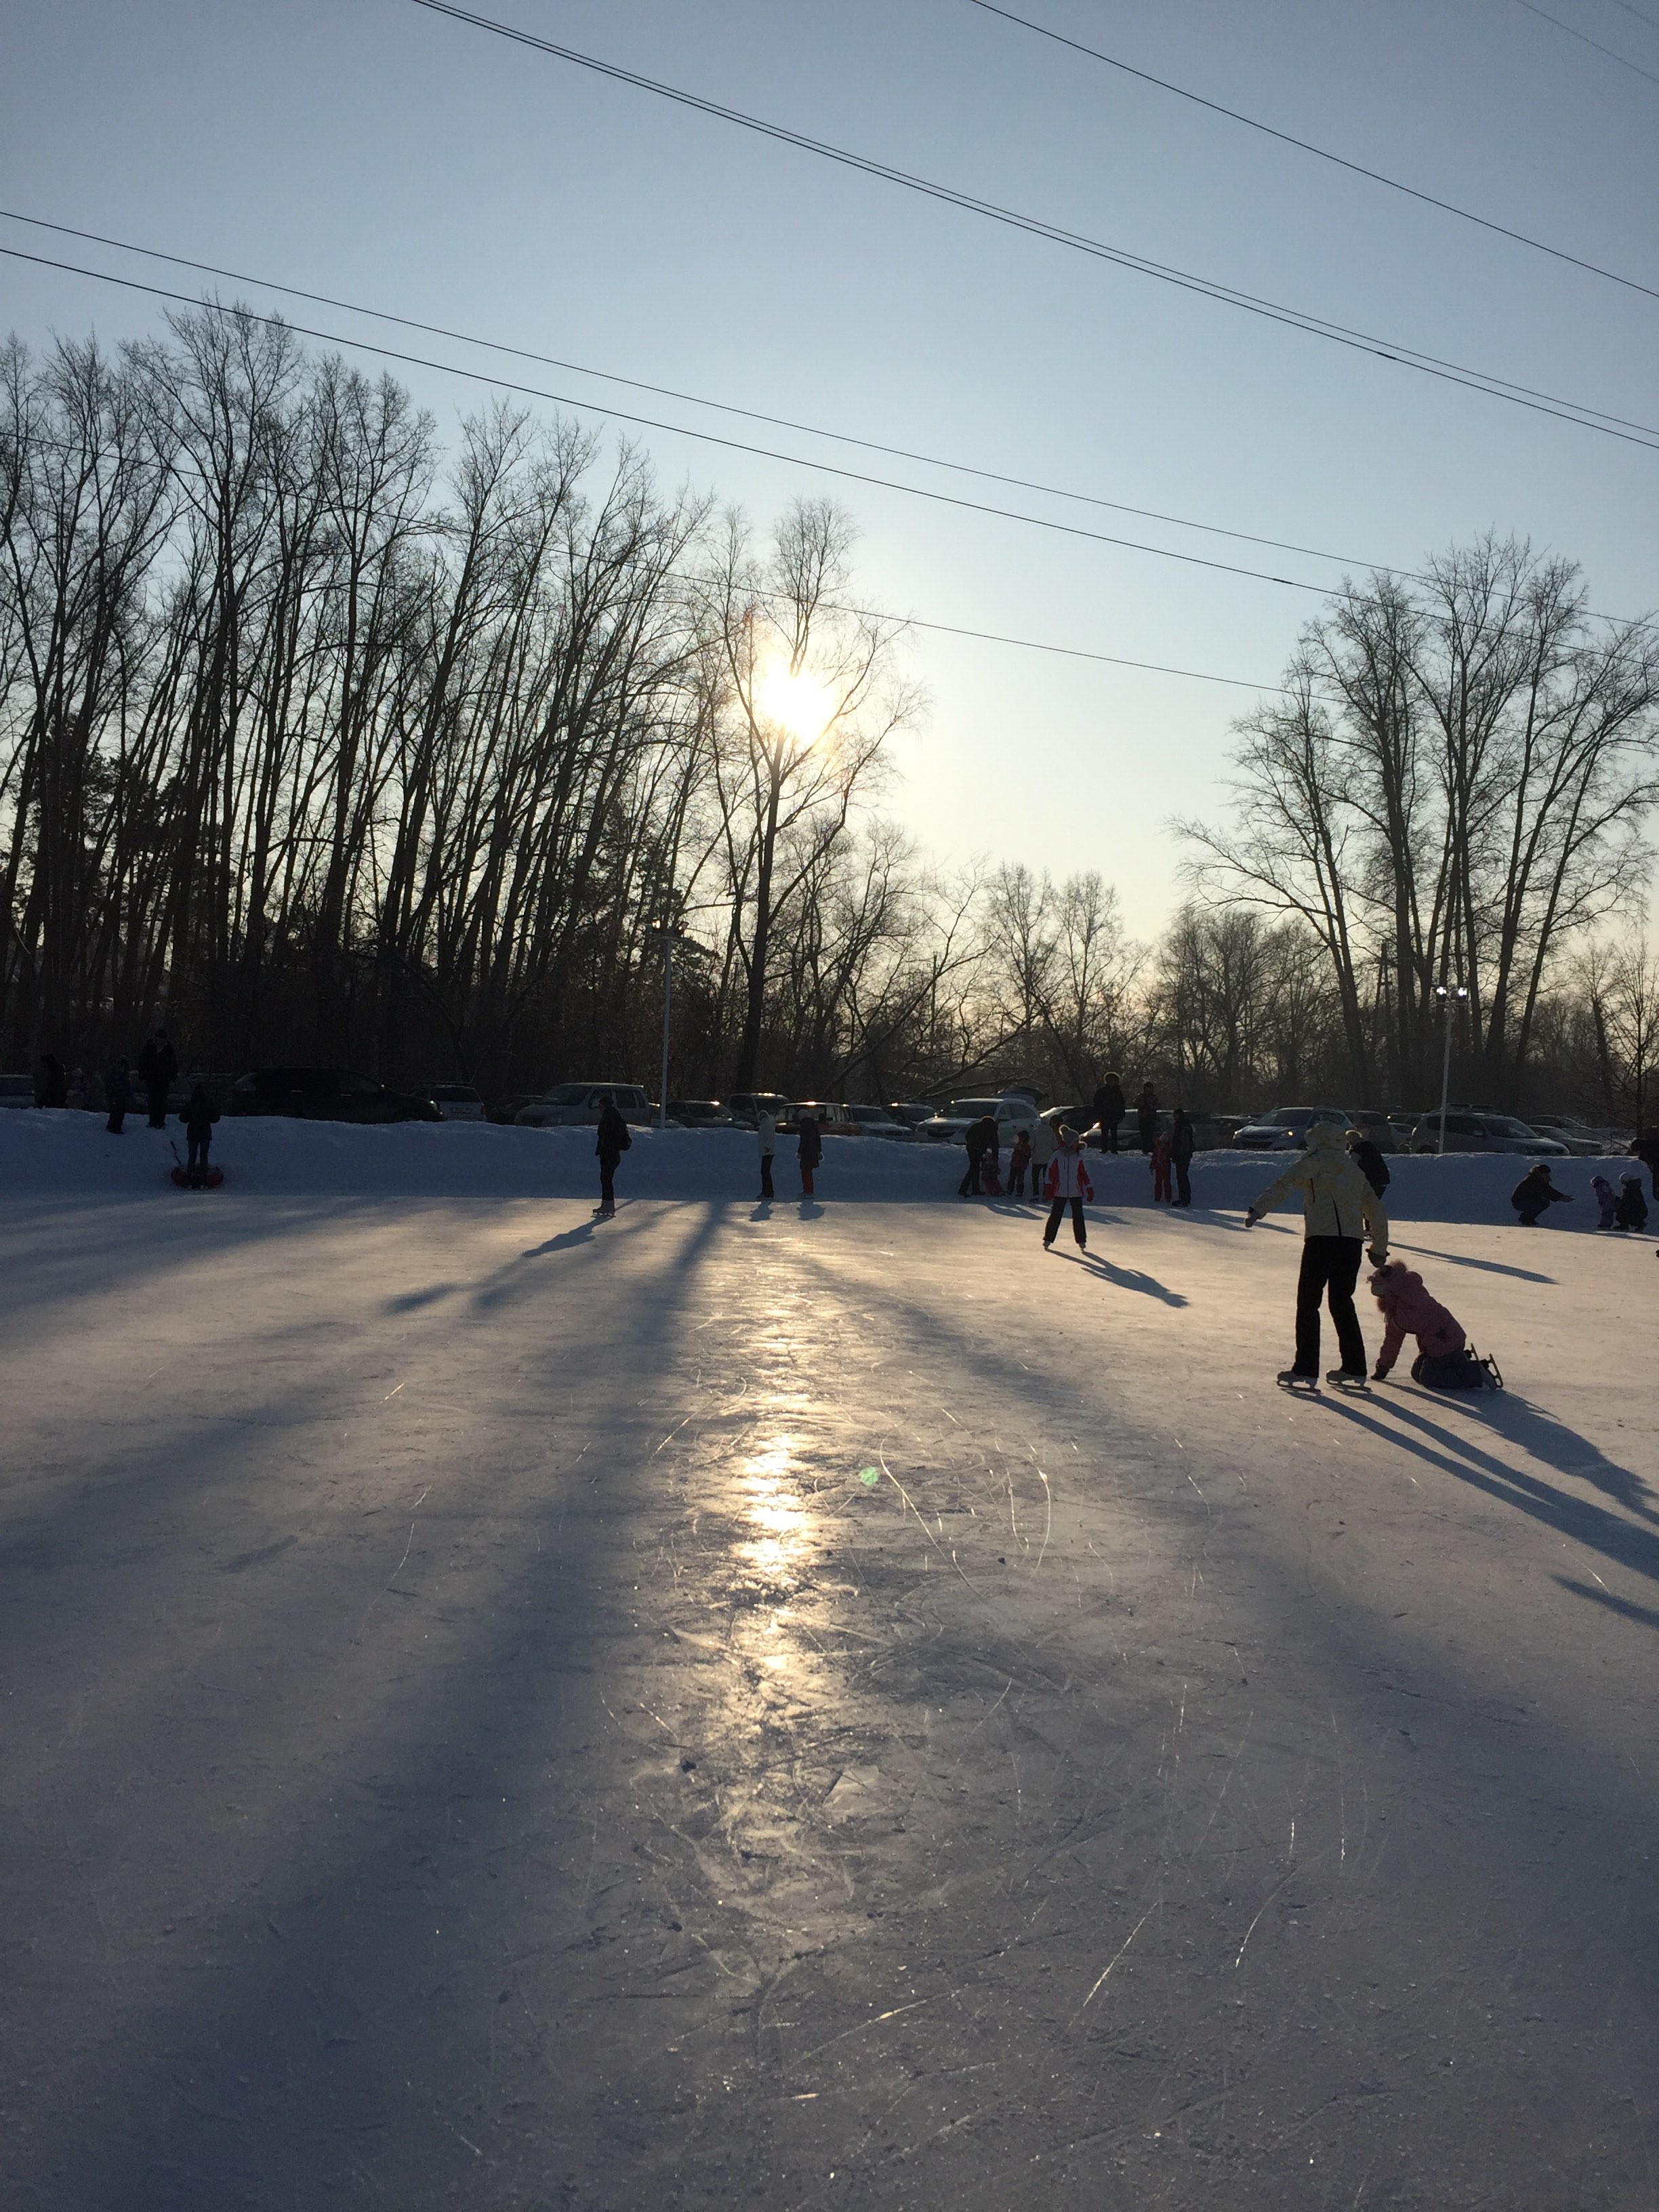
x=72, y=1155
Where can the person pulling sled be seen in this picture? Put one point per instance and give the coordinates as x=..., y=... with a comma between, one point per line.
x=1340, y=1209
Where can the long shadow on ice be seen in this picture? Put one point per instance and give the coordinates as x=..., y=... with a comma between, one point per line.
x=1126, y=1278
x=1462, y=1260
x=1645, y=1616
x=1576, y=1518
x=1545, y=1438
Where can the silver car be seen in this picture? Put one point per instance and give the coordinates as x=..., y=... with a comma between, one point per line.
x=1468, y=1132
x=1285, y=1129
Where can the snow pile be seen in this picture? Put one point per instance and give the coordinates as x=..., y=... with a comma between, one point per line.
x=72, y=1155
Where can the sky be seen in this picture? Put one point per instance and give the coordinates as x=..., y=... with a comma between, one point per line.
x=394, y=158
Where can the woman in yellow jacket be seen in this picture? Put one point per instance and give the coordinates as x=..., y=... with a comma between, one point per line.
x=1339, y=1208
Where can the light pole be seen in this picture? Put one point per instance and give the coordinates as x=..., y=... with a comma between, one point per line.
x=1449, y=996
x=670, y=936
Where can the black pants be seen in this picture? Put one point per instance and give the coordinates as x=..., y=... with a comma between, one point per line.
x=1183, y=1183
x=1529, y=1220
x=1330, y=1269
x=1108, y=1135
x=1056, y=1211
x=117, y=1115
x=1148, y=1131
x=607, y=1179
x=197, y=1148
x=969, y=1183
x=158, y=1105
x=1016, y=1182
x=767, y=1190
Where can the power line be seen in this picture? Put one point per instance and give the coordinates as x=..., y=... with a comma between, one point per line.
x=1324, y=153
x=683, y=430
x=1444, y=371
x=477, y=376
x=1650, y=22
x=696, y=399
x=1584, y=38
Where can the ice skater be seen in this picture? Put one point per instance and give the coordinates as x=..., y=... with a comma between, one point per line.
x=766, y=1137
x=1020, y=1159
x=980, y=1140
x=612, y=1141
x=1182, y=1144
x=1408, y=1310
x=1161, y=1186
x=1533, y=1193
x=809, y=1150
x=198, y=1117
x=1339, y=1210
x=1632, y=1210
x=1066, y=1184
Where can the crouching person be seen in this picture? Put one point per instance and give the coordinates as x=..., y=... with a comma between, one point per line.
x=1408, y=1309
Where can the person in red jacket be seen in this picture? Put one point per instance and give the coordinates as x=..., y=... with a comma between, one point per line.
x=1066, y=1184
x=1408, y=1310
x=1162, y=1187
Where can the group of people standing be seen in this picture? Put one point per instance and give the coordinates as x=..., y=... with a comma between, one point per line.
x=153, y=1077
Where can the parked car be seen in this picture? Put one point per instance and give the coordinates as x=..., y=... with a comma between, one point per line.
x=576, y=1106
x=1010, y=1114
x=326, y=1094
x=1469, y=1132
x=1586, y=1144
x=913, y=1114
x=832, y=1116
x=16, y=1091
x=1081, y=1119
x=218, y=1087
x=460, y=1101
x=878, y=1122
x=748, y=1105
x=700, y=1114
x=1379, y=1127
x=1285, y=1129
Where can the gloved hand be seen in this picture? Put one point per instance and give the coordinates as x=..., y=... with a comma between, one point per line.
x=1378, y=1255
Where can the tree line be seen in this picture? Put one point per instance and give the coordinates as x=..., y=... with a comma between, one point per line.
x=324, y=744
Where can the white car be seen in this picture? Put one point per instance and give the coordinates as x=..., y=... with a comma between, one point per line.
x=577, y=1105
x=1010, y=1115
x=876, y=1121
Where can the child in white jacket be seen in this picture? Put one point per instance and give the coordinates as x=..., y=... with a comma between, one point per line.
x=1067, y=1184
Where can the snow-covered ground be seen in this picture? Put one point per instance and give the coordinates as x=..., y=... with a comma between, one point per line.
x=68, y=1154
x=824, y=1706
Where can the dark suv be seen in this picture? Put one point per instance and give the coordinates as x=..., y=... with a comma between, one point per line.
x=327, y=1094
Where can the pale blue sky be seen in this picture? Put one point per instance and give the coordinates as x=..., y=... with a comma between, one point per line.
x=368, y=149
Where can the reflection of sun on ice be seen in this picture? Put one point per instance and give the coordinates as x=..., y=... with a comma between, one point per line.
x=796, y=702
x=774, y=1510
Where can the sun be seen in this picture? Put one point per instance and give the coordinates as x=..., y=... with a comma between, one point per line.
x=797, y=702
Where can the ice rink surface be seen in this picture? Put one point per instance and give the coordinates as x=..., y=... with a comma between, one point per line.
x=831, y=1707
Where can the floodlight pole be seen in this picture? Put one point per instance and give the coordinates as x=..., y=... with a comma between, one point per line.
x=1449, y=996
x=668, y=933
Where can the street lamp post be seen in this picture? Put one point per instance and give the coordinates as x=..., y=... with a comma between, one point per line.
x=670, y=936
x=1449, y=996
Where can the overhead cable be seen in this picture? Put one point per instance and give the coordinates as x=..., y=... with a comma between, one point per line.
x=1433, y=365
x=1584, y=39
x=1322, y=153
x=722, y=406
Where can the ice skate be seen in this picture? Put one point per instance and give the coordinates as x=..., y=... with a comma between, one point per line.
x=1292, y=1378
x=1348, y=1378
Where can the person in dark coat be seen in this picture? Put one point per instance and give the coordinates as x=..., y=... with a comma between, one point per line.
x=981, y=1138
x=1645, y=1145
x=1146, y=1115
x=1182, y=1145
x=1533, y=1193
x=158, y=1066
x=612, y=1141
x=1632, y=1212
x=117, y=1093
x=50, y=1081
x=811, y=1150
x=1368, y=1159
x=1109, y=1111
x=198, y=1118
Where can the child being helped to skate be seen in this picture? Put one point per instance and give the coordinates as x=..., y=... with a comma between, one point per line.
x=1445, y=1360
x=1340, y=1209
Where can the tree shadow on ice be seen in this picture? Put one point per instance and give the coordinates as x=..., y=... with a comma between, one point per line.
x=375, y=1983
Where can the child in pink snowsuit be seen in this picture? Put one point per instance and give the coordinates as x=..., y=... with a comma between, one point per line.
x=1408, y=1310
x=1161, y=1188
